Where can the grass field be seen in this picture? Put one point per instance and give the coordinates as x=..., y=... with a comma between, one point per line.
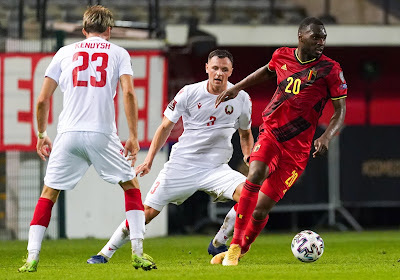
x=349, y=255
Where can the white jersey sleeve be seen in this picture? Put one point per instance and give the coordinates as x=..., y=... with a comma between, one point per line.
x=244, y=121
x=177, y=106
x=54, y=69
x=125, y=65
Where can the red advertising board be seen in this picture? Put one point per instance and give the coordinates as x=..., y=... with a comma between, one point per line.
x=21, y=77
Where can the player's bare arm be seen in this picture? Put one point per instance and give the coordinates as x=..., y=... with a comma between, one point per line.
x=246, y=143
x=44, y=145
x=159, y=139
x=260, y=75
x=322, y=143
x=131, y=112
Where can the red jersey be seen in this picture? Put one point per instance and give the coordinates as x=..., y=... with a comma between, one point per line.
x=303, y=90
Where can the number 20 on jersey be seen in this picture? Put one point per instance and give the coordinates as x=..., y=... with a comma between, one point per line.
x=293, y=85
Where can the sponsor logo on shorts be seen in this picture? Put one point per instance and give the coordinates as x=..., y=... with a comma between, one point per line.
x=257, y=147
x=199, y=105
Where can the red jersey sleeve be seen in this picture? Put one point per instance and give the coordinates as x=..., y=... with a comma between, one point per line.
x=272, y=62
x=336, y=83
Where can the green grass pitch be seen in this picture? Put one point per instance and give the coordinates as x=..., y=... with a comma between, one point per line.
x=348, y=255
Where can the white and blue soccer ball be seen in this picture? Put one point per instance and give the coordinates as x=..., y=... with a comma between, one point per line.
x=307, y=246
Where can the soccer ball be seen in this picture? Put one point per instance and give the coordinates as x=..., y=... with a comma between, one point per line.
x=307, y=246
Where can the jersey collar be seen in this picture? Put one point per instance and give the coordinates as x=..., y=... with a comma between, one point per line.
x=299, y=60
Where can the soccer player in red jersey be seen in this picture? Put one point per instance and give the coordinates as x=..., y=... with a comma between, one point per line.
x=306, y=79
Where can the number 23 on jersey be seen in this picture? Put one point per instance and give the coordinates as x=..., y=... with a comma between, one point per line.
x=85, y=64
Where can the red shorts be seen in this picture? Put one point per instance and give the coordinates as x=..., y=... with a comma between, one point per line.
x=284, y=166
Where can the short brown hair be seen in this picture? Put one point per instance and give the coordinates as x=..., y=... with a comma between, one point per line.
x=221, y=54
x=97, y=19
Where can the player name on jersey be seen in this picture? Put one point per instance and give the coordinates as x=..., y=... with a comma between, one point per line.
x=91, y=45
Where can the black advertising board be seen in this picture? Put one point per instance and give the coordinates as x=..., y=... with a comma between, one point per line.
x=370, y=165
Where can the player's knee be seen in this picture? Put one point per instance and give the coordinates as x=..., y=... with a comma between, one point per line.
x=237, y=192
x=131, y=184
x=257, y=175
x=49, y=193
x=150, y=213
x=260, y=213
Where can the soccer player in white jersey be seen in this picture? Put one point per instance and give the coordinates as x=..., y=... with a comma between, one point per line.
x=198, y=161
x=88, y=73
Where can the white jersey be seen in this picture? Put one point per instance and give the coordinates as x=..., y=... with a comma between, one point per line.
x=207, y=135
x=88, y=73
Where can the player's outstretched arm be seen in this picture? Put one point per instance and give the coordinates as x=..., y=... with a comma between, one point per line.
x=322, y=143
x=44, y=145
x=131, y=112
x=260, y=75
x=246, y=143
x=159, y=139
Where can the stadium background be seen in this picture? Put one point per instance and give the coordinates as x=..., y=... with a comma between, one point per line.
x=354, y=188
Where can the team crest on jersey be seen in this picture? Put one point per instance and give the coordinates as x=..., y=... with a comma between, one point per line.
x=172, y=104
x=312, y=76
x=228, y=109
x=257, y=148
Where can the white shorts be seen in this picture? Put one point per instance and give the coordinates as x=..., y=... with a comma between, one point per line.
x=176, y=183
x=74, y=152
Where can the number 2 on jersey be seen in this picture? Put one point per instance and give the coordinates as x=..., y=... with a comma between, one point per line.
x=296, y=85
x=85, y=64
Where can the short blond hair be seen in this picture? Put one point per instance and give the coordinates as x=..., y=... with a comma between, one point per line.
x=97, y=19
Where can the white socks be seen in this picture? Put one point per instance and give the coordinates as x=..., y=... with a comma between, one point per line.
x=117, y=240
x=122, y=235
x=137, y=246
x=136, y=222
x=226, y=230
x=36, y=234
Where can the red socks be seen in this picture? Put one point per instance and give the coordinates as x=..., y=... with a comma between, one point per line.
x=42, y=213
x=253, y=229
x=133, y=200
x=247, y=204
